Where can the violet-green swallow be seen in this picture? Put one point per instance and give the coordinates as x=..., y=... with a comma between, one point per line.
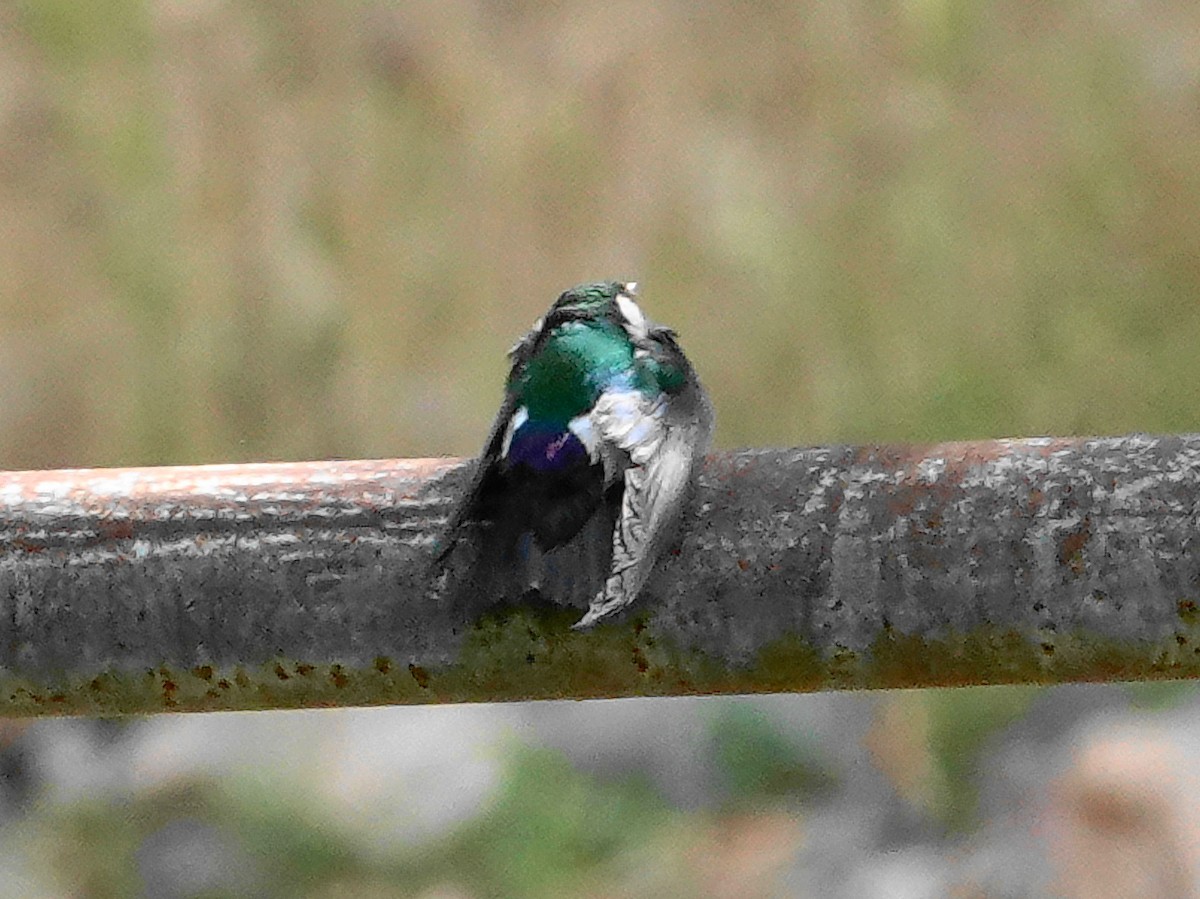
x=602, y=430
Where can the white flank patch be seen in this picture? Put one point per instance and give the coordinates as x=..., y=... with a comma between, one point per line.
x=519, y=418
x=623, y=419
x=635, y=321
x=581, y=427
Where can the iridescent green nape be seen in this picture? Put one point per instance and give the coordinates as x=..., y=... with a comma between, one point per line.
x=575, y=364
x=655, y=373
x=589, y=296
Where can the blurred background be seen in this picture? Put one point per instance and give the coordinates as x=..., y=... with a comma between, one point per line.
x=267, y=230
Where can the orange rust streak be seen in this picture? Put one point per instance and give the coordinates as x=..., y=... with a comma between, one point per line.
x=959, y=456
x=167, y=483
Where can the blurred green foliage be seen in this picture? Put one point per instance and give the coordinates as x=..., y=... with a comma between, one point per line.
x=549, y=832
x=261, y=230
x=267, y=230
x=961, y=724
x=759, y=763
x=1161, y=695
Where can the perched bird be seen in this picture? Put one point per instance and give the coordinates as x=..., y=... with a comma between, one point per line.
x=603, y=427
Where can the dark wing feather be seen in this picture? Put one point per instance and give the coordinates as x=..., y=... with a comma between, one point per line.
x=469, y=507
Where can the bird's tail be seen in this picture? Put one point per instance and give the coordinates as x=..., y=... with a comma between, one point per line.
x=493, y=563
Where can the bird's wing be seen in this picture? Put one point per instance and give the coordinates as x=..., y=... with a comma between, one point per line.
x=665, y=437
x=485, y=468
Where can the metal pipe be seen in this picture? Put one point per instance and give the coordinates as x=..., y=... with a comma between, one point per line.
x=284, y=585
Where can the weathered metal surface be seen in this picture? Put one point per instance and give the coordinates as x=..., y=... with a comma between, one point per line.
x=260, y=586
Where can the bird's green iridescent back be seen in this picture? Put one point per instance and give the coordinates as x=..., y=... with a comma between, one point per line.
x=603, y=428
x=572, y=368
x=654, y=375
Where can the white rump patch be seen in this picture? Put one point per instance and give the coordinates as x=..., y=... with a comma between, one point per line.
x=581, y=426
x=519, y=418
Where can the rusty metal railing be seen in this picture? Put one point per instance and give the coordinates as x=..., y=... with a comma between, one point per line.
x=284, y=585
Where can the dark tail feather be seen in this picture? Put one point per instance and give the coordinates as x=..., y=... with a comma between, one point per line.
x=493, y=564
x=573, y=573
x=488, y=554
x=480, y=563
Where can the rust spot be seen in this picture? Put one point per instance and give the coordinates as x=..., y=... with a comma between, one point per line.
x=115, y=529
x=204, y=672
x=304, y=669
x=223, y=684
x=835, y=504
x=743, y=564
x=1070, y=548
x=281, y=672
x=96, y=685
x=58, y=697
x=169, y=687
x=869, y=452
x=1048, y=648
x=28, y=546
x=337, y=676
x=639, y=660
x=383, y=664
x=957, y=458
x=419, y=469
x=908, y=458
x=420, y=675
x=902, y=502
x=1187, y=610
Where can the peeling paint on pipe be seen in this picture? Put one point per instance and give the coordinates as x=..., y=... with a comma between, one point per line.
x=284, y=585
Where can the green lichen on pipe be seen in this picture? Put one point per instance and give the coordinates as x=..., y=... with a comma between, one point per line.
x=531, y=655
x=283, y=586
